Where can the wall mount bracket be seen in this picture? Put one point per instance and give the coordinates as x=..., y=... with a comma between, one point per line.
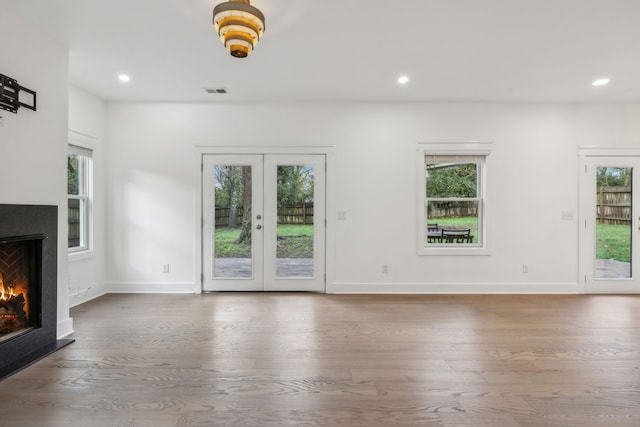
x=10, y=95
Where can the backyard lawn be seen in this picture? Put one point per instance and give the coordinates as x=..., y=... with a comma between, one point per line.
x=459, y=222
x=294, y=241
x=613, y=242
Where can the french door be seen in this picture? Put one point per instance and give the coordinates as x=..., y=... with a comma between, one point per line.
x=610, y=223
x=263, y=222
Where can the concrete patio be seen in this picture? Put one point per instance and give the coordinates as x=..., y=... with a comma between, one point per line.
x=242, y=267
x=612, y=269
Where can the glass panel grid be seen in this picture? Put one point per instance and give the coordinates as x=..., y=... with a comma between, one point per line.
x=453, y=200
x=295, y=221
x=232, y=222
x=78, y=189
x=614, y=201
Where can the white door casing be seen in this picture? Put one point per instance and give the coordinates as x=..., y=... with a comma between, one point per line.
x=607, y=274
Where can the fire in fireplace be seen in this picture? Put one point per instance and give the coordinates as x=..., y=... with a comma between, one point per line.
x=13, y=308
x=19, y=284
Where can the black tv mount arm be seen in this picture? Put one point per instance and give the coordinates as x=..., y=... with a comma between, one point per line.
x=10, y=95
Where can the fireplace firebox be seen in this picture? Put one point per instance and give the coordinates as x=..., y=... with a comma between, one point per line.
x=28, y=285
x=20, y=284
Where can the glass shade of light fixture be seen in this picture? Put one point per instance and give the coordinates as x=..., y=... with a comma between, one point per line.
x=239, y=26
x=601, y=82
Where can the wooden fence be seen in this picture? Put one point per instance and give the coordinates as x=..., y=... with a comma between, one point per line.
x=452, y=209
x=223, y=214
x=296, y=214
x=74, y=223
x=614, y=205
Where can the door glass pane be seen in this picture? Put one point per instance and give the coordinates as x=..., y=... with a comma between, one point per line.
x=232, y=236
x=295, y=225
x=613, y=222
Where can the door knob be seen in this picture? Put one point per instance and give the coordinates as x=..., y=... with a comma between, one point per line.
x=258, y=227
x=258, y=216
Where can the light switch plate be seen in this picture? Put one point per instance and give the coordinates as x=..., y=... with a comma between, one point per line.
x=567, y=215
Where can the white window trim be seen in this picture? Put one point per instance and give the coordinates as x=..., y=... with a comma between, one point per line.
x=461, y=149
x=86, y=142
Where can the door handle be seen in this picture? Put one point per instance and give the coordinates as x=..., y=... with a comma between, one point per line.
x=258, y=216
x=258, y=227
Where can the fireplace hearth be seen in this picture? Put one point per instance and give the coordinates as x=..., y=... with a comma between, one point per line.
x=28, y=285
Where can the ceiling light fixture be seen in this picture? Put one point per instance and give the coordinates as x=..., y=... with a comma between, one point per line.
x=403, y=80
x=124, y=78
x=601, y=82
x=239, y=26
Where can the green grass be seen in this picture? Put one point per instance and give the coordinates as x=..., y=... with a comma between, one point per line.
x=294, y=241
x=459, y=222
x=226, y=246
x=295, y=230
x=613, y=242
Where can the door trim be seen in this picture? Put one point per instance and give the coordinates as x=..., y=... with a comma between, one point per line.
x=202, y=150
x=585, y=249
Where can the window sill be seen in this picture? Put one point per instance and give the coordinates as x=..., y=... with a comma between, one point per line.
x=81, y=255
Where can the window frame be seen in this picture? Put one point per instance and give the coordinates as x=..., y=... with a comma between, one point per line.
x=480, y=152
x=83, y=147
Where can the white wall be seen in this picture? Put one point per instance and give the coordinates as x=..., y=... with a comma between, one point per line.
x=33, y=143
x=532, y=178
x=86, y=125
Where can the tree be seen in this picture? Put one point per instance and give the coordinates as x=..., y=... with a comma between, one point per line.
x=295, y=185
x=245, y=232
x=452, y=180
x=72, y=174
x=613, y=177
x=228, y=190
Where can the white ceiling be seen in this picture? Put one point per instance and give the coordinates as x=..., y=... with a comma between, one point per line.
x=352, y=50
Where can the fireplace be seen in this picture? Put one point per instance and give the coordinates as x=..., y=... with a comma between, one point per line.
x=20, y=284
x=28, y=285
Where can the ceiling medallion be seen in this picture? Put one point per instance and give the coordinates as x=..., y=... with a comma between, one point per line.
x=239, y=26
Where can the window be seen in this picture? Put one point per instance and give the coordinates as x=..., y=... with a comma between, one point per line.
x=79, y=183
x=452, y=202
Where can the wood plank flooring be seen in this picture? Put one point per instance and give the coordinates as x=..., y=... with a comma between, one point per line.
x=293, y=359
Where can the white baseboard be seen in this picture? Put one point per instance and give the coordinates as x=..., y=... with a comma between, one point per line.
x=64, y=328
x=77, y=299
x=452, y=288
x=370, y=288
x=151, y=287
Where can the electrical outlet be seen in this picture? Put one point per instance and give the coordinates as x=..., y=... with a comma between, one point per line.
x=525, y=268
x=165, y=268
x=385, y=269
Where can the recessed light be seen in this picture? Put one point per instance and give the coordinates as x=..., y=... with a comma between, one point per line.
x=124, y=78
x=403, y=80
x=601, y=82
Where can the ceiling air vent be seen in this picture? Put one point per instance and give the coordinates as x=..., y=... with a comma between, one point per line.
x=215, y=90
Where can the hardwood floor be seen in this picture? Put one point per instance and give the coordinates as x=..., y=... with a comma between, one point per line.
x=278, y=359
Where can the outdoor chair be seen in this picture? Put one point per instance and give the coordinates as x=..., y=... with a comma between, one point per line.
x=457, y=236
x=434, y=234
